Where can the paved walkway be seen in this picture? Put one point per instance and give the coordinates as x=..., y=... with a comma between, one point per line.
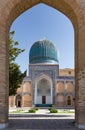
x=42, y=120
x=42, y=111
x=42, y=123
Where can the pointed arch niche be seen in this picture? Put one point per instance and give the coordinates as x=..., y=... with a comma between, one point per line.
x=43, y=91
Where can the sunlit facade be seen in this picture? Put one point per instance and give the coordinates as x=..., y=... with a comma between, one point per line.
x=46, y=85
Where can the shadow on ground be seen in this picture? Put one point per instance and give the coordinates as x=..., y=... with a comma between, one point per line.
x=41, y=124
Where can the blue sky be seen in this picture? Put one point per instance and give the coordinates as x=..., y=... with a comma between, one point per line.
x=44, y=21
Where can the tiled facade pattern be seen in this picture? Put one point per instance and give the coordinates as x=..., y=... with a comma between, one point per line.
x=64, y=86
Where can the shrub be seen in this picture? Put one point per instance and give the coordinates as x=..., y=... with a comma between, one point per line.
x=32, y=111
x=52, y=110
x=36, y=108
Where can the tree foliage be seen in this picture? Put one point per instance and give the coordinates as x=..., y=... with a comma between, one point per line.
x=14, y=51
x=15, y=75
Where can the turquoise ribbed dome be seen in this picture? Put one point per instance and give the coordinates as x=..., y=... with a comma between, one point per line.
x=43, y=51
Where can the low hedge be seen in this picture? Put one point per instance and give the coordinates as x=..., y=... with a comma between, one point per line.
x=32, y=111
x=52, y=110
x=36, y=108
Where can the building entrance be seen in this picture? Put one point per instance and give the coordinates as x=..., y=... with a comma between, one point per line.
x=18, y=103
x=43, y=92
x=43, y=99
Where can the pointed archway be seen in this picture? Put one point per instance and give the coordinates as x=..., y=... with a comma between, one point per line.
x=43, y=91
x=75, y=11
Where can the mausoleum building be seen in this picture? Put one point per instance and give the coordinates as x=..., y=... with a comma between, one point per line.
x=46, y=85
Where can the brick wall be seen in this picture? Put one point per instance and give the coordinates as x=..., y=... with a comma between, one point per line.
x=75, y=11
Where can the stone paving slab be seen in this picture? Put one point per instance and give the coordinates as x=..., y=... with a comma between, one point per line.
x=41, y=122
x=44, y=129
x=41, y=115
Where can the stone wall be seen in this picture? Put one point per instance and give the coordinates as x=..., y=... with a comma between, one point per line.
x=11, y=101
x=66, y=72
x=65, y=88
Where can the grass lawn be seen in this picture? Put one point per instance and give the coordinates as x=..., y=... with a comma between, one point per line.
x=59, y=111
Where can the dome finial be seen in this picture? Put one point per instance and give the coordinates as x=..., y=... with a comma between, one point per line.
x=44, y=38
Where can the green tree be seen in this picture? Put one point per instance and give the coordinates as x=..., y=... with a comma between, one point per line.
x=14, y=51
x=15, y=75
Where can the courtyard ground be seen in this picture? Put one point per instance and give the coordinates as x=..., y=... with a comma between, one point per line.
x=42, y=120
